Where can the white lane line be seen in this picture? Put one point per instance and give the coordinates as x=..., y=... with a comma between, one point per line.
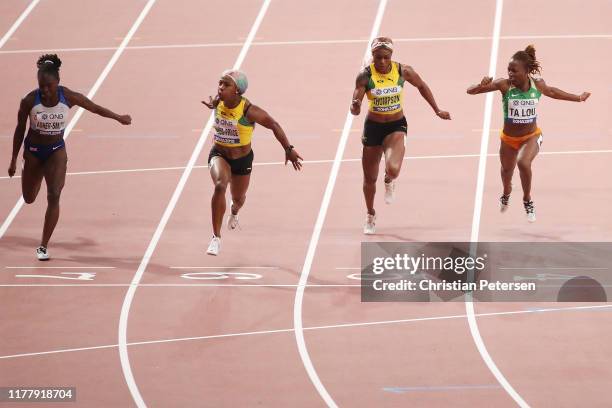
x=18, y=22
x=224, y=267
x=127, y=302
x=324, y=161
x=556, y=268
x=318, y=42
x=326, y=327
x=90, y=95
x=482, y=164
x=60, y=267
x=213, y=285
x=312, y=246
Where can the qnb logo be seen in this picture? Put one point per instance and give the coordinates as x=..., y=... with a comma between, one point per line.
x=50, y=116
x=412, y=264
x=386, y=91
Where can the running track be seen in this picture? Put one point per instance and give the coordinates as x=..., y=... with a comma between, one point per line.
x=230, y=342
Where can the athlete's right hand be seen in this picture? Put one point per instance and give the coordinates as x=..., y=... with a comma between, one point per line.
x=486, y=81
x=355, y=107
x=12, y=168
x=210, y=104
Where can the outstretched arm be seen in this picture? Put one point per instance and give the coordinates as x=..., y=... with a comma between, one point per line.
x=22, y=118
x=84, y=102
x=260, y=116
x=557, y=93
x=415, y=80
x=487, y=84
x=360, y=89
x=212, y=103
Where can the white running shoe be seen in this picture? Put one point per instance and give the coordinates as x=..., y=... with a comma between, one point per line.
x=232, y=221
x=504, y=202
x=389, y=192
x=42, y=254
x=214, y=246
x=530, y=210
x=370, y=225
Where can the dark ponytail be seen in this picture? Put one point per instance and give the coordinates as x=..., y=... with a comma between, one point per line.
x=528, y=58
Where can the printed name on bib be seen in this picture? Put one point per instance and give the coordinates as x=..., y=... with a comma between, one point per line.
x=226, y=131
x=522, y=110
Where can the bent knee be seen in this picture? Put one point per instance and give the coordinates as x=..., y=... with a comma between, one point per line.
x=220, y=186
x=53, y=196
x=29, y=198
x=392, y=171
x=239, y=201
x=524, y=166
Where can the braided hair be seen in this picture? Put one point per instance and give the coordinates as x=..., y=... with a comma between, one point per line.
x=528, y=58
x=49, y=64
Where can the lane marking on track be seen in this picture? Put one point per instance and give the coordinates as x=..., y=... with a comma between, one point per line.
x=224, y=267
x=478, y=198
x=323, y=161
x=185, y=285
x=92, y=92
x=316, y=233
x=17, y=23
x=318, y=42
x=60, y=267
x=127, y=302
x=326, y=327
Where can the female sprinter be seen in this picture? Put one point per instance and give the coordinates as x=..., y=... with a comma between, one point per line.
x=385, y=126
x=231, y=157
x=44, y=151
x=521, y=138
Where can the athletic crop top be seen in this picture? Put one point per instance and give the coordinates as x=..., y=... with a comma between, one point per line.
x=50, y=121
x=385, y=91
x=232, y=128
x=521, y=107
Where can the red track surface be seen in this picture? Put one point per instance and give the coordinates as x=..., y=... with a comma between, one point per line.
x=559, y=358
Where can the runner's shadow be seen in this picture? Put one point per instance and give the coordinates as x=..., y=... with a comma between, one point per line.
x=26, y=242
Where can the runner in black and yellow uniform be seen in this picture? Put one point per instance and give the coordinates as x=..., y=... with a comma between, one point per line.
x=231, y=157
x=385, y=126
x=521, y=138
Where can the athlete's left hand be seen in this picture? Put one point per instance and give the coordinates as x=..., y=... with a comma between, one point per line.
x=125, y=119
x=584, y=96
x=294, y=157
x=443, y=115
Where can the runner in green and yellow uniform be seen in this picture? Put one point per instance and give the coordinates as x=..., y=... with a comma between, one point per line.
x=521, y=138
x=385, y=126
x=231, y=158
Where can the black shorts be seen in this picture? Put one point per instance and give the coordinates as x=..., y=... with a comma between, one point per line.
x=241, y=166
x=374, y=133
x=43, y=151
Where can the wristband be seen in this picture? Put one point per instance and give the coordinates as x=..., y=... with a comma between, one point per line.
x=288, y=149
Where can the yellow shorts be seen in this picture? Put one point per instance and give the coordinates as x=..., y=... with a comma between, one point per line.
x=516, y=142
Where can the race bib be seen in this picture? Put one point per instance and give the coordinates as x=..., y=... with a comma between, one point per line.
x=522, y=110
x=386, y=99
x=226, y=131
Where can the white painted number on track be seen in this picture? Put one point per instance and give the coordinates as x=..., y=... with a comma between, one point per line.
x=221, y=275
